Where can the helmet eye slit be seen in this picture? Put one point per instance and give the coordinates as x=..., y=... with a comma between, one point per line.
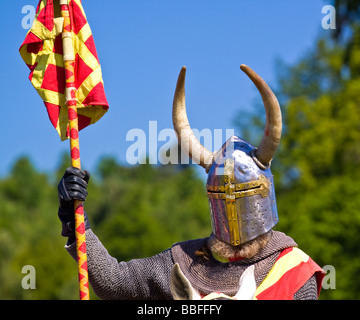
x=260, y=186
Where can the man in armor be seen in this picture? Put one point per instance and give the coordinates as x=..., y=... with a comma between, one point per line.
x=242, y=258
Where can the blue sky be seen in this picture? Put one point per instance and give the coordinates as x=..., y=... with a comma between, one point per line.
x=142, y=45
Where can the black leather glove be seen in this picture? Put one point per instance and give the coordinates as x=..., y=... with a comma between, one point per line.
x=72, y=186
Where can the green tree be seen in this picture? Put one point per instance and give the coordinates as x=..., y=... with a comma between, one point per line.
x=30, y=235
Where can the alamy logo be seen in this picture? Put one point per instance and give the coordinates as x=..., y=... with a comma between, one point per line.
x=29, y=280
x=162, y=146
x=29, y=17
x=329, y=20
x=329, y=281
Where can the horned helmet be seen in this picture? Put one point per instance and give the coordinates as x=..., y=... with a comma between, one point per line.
x=240, y=185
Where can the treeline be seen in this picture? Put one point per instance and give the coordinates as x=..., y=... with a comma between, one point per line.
x=135, y=211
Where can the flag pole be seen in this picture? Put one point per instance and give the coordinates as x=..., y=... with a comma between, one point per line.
x=70, y=96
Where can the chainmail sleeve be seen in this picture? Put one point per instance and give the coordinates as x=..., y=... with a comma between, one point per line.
x=138, y=279
x=309, y=291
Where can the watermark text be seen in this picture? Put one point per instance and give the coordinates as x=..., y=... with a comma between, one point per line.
x=29, y=17
x=329, y=20
x=29, y=280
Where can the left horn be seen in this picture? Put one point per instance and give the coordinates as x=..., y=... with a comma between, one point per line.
x=189, y=143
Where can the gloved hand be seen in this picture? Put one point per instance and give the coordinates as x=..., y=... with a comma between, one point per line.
x=72, y=186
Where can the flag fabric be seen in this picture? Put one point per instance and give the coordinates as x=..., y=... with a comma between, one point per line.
x=43, y=54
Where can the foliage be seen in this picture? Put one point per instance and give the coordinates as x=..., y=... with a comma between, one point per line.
x=29, y=232
x=135, y=211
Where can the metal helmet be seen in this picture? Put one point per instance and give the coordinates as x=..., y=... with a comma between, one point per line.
x=240, y=184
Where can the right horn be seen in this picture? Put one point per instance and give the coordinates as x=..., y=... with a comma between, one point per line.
x=272, y=133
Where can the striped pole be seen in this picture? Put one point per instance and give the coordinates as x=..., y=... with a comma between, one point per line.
x=70, y=95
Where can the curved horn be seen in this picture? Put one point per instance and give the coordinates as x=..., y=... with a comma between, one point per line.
x=189, y=143
x=272, y=133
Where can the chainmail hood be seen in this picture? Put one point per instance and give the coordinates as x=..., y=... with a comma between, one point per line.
x=211, y=275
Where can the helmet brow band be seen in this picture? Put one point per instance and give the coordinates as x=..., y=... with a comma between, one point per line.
x=260, y=186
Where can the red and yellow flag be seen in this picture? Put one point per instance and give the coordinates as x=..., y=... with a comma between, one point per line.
x=42, y=52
